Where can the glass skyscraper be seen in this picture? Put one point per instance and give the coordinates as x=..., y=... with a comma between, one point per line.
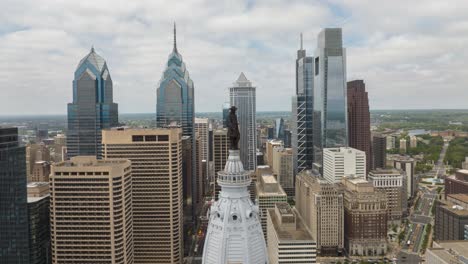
x=330, y=106
x=92, y=108
x=175, y=105
x=302, y=109
x=14, y=229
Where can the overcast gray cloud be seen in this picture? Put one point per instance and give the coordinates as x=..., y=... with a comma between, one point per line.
x=412, y=54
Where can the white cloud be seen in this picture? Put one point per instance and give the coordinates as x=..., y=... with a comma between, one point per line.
x=410, y=53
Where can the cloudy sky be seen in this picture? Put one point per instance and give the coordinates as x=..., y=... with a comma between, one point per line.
x=411, y=54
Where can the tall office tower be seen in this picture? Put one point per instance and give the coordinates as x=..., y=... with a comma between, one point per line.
x=393, y=183
x=13, y=204
x=365, y=218
x=330, y=107
x=268, y=193
x=91, y=211
x=242, y=96
x=279, y=128
x=342, y=162
x=320, y=205
x=270, y=132
x=187, y=178
x=234, y=232
x=287, y=138
x=283, y=168
x=408, y=165
x=156, y=156
x=379, y=152
x=202, y=133
x=42, y=132
x=288, y=238
x=359, y=119
x=451, y=217
x=92, y=108
x=201, y=128
x=403, y=144
x=302, y=113
x=39, y=223
x=202, y=167
x=220, y=155
x=270, y=146
x=390, y=142
x=176, y=104
x=226, y=107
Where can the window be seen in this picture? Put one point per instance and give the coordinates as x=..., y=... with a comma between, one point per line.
x=317, y=66
x=137, y=138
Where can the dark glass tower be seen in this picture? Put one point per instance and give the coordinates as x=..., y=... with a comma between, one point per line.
x=14, y=234
x=359, y=119
x=175, y=107
x=330, y=106
x=92, y=108
x=302, y=109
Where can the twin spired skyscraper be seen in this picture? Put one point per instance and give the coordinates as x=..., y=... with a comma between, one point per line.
x=320, y=107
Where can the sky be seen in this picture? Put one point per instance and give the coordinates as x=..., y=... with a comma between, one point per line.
x=411, y=54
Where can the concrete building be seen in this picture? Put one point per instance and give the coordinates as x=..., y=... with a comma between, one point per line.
x=390, y=142
x=447, y=252
x=283, y=169
x=365, y=210
x=40, y=172
x=13, y=202
x=270, y=146
x=268, y=193
x=91, y=211
x=320, y=205
x=451, y=217
x=393, y=183
x=234, y=232
x=379, y=151
x=457, y=183
x=413, y=142
x=408, y=165
x=289, y=241
x=242, y=95
x=330, y=107
x=156, y=156
x=202, y=131
x=359, y=119
x=220, y=155
x=34, y=153
x=39, y=223
x=92, y=108
x=403, y=145
x=342, y=162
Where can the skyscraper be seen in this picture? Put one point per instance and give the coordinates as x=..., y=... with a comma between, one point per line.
x=175, y=104
x=359, y=119
x=302, y=113
x=379, y=151
x=343, y=162
x=91, y=211
x=39, y=223
x=92, y=108
x=156, y=156
x=202, y=135
x=330, y=107
x=242, y=96
x=283, y=168
x=14, y=235
x=279, y=128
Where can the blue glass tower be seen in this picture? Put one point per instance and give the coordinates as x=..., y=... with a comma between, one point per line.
x=92, y=108
x=175, y=104
x=14, y=229
x=302, y=109
x=330, y=105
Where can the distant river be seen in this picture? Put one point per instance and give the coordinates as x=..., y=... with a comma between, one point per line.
x=417, y=132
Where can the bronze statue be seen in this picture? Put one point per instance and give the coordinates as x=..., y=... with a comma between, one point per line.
x=233, y=128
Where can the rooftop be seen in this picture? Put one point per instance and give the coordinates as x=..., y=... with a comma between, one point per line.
x=448, y=250
x=461, y=197
x=299, y=233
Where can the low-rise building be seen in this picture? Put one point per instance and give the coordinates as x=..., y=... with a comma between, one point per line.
x=447, y=252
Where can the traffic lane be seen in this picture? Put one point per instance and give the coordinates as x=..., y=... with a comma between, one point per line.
x=421, y=219
x=404, y=257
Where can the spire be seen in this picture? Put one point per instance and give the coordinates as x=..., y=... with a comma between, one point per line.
x=175, y=38
x=301, y=40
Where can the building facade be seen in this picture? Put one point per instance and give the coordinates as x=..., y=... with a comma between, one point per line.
x=302, y=113
x=242, y=95
x=39, y=223
x=268, y=193
x=457, y=183
x=289, y=241
x=342, y=162
x=220, y=155
x=156, y=156
x=283, y=169
x=379, y=151
x=359, y=119
x=91, y=211
x=14, y=235
x=320, y=205
x=92, y=109
x=270, y=147
x=365, y=210
x=451, y=217
x=408, y=165
x=330, y=106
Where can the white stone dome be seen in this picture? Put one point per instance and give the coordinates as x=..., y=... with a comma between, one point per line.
x=234, y=232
